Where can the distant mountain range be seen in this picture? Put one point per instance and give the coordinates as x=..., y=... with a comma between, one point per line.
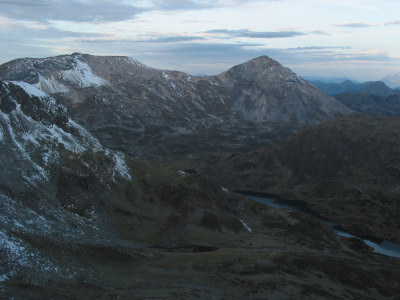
x=376, y=88
x=370, y=97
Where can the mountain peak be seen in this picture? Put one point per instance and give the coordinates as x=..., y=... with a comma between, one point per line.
x=60, y=74
x=264, y=59
x=258, y=64
x=262, y=70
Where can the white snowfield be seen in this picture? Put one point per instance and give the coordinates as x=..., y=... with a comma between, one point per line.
x=82, y=75
x=50, y=85
x=30, y=89
x=246, y=226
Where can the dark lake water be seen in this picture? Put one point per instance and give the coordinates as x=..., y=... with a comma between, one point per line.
x=385, y=247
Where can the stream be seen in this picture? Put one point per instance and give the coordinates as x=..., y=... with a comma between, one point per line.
x=385, y=247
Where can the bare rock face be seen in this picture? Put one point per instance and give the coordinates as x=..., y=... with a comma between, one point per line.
x=264, y=90
x=141, y=110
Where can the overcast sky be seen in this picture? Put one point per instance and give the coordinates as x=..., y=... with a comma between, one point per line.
x=358, y=39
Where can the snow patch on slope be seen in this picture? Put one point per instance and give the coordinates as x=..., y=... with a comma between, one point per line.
x=36, y=172
x=30, y=89
x=50, y=85
x=82, y=75
x=12, y=254
x=36, y=143
x=245, y=225
x=170, y=81
x=166, y=76
x=120, y=166
x=12, y=247
x=136, y=62
x=17, y=257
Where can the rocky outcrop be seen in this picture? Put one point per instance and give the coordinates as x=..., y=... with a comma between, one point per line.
x=264, y=90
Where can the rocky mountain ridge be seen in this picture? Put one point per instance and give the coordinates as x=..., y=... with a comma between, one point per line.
x=141, y=110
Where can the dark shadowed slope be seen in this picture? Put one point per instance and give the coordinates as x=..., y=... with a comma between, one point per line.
x=370, y=104
x=347, y=170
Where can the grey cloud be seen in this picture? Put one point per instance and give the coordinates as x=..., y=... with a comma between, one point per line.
x=96, y=10
x=158, y=39
x=21, y=34
x=396, y=22
x=328, y=54
x=317, y=48
x=18, y=51
x=19, y=41
x=319, y=32
x=256, y=34
x=178, y=4
x=363, y=25
x=173, y=39
x=73, y=10
x=354, y=25
x=197, y=4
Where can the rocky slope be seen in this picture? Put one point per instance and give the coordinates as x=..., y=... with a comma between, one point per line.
x=79, y=221
x=347, y=170
x=266, y=91
x=153, y=113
